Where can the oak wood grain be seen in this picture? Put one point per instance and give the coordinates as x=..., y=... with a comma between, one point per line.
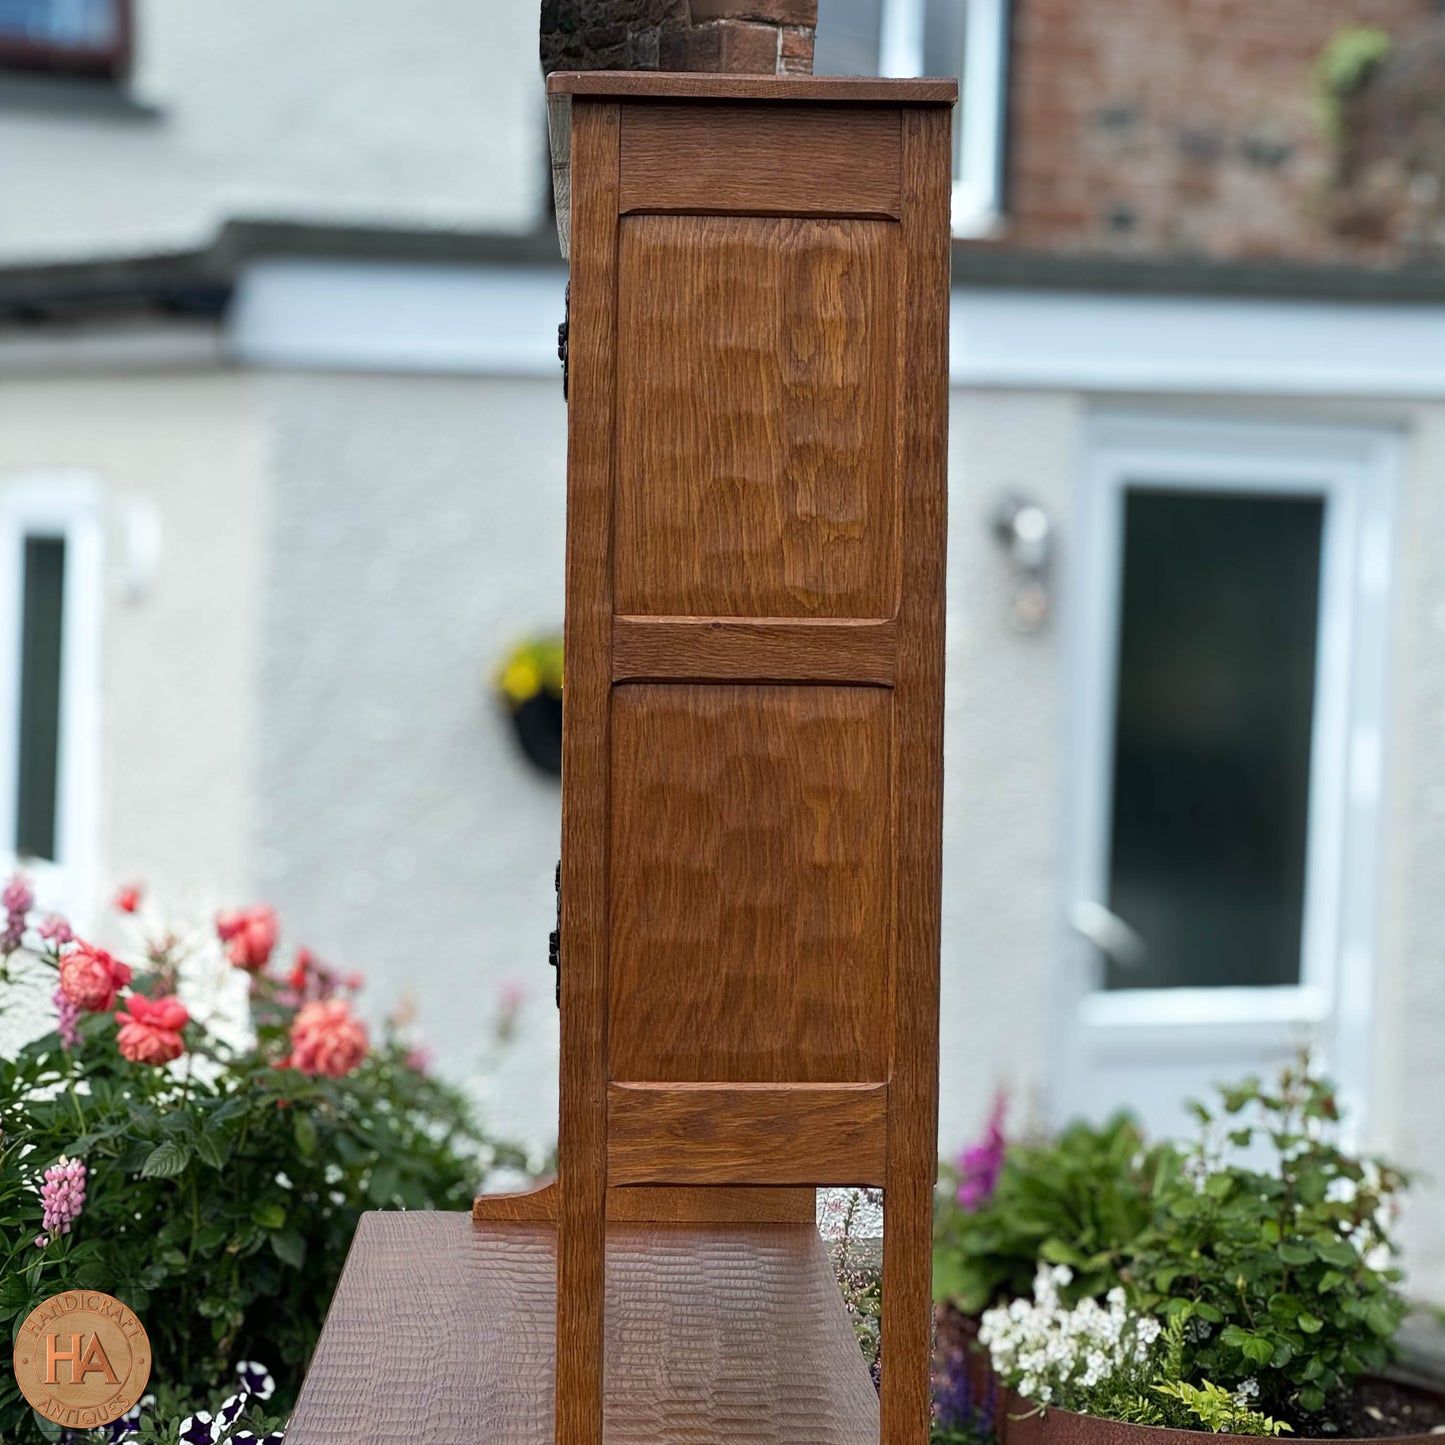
x=716, y=1204
x=755, y=649
x=751, y=813
x=751, y=883
x=756, y=414
x=749, y=1133
x=690, y=85
x=658, y=1205
x=779, y=160
x=582, y=1135
x=918, y=753
x=441, y=1333
x=537, y=1205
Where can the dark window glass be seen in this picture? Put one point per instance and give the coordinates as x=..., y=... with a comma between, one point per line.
x=41, y=621
x=75, y=24
x=87, y=37
x=1212, y=734
x=847, y=37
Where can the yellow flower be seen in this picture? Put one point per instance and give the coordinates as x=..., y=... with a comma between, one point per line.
x=521, y=680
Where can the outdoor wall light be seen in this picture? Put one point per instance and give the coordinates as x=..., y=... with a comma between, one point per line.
x=1027, y=535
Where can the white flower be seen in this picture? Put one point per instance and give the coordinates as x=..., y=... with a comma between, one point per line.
x=1046, y=1350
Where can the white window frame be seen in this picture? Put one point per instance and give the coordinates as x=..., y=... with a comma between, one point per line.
x=65, y=506
x=983, y=98
x=1354, y=470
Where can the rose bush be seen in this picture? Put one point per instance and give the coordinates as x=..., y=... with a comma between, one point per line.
x=206, y=1165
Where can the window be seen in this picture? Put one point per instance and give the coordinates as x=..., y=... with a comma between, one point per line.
x=50, y=598
x=78, y=37
x=1213, y=715
x=1229, y=618
x=966, y=38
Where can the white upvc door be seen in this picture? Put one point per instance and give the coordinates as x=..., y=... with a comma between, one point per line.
x=1228, y=642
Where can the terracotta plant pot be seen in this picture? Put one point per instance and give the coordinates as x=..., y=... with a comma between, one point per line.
x=1021, y=1423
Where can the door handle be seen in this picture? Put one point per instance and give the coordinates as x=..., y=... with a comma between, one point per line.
x=1114, y=938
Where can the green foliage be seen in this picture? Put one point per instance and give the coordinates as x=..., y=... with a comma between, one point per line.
x=980, y=1432
x=160, y=1420
x=857, y=1262
x=1344, y=65
x=1280, y=1261
x=1082, y=1200
x=1214, y=1408
x=1264, y=1246
x=222, y=1190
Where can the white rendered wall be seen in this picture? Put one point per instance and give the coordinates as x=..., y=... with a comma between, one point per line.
x=1409, y=1052
x=179, y=464
x=417, y=533
x=350, y=111
x=1003, y=759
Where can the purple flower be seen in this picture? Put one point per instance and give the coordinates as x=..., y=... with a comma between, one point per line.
x=231, y=1410
x=56, y=930
x=256, y=1379
x=123, y=1431
x=980, y=1164
x=17, y=900
x=957, y=1406
x=199, y=1429
x=62, y=1196
x=67, y=1022
x=18, y=896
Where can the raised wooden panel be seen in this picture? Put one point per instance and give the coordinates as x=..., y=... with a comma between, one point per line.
x=751, y=881
x=658, y=1204
x=794, y=160
x=713, y=649
x=747, y=1133
x=756, y=468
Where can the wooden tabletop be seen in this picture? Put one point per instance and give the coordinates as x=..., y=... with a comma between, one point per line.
x=442, y=1333
x=694, y=85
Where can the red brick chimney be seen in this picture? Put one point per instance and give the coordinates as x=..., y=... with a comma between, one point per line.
x=762, y=37
x=752, y=37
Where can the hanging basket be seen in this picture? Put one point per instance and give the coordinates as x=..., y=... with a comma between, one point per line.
x=529, y=683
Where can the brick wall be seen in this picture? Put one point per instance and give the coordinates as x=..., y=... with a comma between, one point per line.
x=741, y=36
x=1185, y=127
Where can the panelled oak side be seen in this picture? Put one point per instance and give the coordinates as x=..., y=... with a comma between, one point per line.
x=587, y=666
x=752, y=774
x=918, y=760
x=756, y=400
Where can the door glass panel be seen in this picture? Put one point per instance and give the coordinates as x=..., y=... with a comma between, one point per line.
x=1213, y=717
x=40, y=697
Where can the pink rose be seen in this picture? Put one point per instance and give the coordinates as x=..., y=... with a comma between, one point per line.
x=327, y=1038
x=90, y=978
x=150, y=1033
x=249, y=935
